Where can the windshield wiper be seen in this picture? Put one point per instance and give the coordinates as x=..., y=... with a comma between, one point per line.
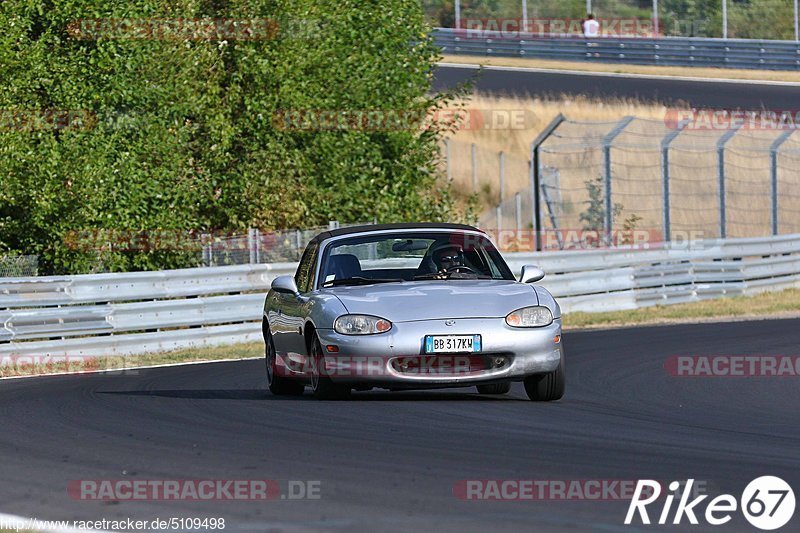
x=359, y=280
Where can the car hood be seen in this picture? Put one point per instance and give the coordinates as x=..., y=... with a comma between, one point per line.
x=428, y=300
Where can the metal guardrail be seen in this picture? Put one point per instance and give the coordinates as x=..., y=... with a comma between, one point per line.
x=140, y=312
x=668, y=51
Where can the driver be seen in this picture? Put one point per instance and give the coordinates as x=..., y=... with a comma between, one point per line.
x=447, y=257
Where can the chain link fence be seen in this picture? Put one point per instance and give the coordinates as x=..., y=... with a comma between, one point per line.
x=18, y=265
x=669, y=181
x=259, y=246
x=755, y=19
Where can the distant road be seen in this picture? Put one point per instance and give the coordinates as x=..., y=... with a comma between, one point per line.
x=706, y=93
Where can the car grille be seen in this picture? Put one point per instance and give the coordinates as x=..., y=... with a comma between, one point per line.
x=450, y=364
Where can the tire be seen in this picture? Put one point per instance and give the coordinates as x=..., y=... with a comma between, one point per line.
x=494, y=388
x=322, y=385
x=278, y=385
x=547, y=387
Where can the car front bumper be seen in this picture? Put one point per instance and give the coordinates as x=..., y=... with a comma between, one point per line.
x=396, y=359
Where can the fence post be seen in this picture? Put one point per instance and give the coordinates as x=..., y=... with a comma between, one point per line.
x=536, y=177
x=524, y=15
x=655, y=19
x=502, y=162
x=251, y=244
x=457, y=14
x=796, y=26
x=773, y=174
x=609, y=205
x=474, y=150
x=723, y=222
x=665, y=142
x=724, y=19
x=207, y=255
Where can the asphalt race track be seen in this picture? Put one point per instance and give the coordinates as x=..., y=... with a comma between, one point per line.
x=389, y=461
x=705, y=94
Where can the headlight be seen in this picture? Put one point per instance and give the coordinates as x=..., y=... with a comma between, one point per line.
x=361, y=325
x=530, y=317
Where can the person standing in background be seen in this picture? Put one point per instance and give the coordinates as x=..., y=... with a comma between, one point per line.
x=591, y=28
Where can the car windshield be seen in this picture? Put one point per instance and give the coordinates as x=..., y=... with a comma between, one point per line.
x=411, y=256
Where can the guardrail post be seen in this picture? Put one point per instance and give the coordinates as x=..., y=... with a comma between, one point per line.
x=723, y=222
x=609, y=205
x=474, y=150
x=518, y=210
x=665, y=142
x=536, y=177
x=498, y=213
x=773, y=174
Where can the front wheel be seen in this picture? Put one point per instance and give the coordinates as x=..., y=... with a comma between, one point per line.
x=278, y=385
x=321, y=384
x=547, y=387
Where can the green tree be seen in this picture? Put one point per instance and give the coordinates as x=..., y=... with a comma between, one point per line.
x=181, y=134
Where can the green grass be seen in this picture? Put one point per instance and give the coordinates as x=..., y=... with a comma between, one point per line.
x=766, y=304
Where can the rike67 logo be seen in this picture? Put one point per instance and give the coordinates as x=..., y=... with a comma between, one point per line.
x=767, y=503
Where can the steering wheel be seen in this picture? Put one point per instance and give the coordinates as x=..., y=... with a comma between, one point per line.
x=460, y=269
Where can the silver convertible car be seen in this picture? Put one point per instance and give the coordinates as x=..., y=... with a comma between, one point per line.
x=410, y=306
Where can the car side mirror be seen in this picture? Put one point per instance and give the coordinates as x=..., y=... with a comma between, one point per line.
x=285, y=285
x=531, y=274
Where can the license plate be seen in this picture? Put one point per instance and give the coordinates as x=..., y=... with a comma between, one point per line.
x=452, y=343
